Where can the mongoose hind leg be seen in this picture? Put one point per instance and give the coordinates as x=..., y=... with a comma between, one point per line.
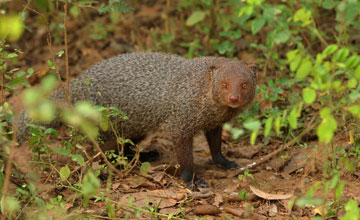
x=214, y=140
x=184, y=156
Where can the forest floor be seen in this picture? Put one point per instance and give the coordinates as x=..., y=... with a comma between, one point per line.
x=269, y=186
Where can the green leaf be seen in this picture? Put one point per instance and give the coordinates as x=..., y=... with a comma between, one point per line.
x=78, y=159
x=110, y=210
x=91, y=184
x=309, y=95
x=282, y=37
x=304, y=16
x=352, y=211
x=11, y=28
x=268, y=125
x=327, y=127
x=292, y=118
x=252, y=125
x=86, y=109
x=352, y=61
x=51, y=131
x=277, y=124
x=352, y=83
x=334, y=180
x=339, y=190
x=49, y=83
x=144, y=168
x=304, y=69
x=341, y=55
x=355, y=110
x=295, y=63
x=65, y=173
x=330, y=49
x=357, y=73
x=195, y=18
x=237, y=132
x=329, y=4
x=16, y=83
x=11, y=55
x=309, y=201
x=74, y=11
x=253, y=137
x=257, y=24
x=104, y=123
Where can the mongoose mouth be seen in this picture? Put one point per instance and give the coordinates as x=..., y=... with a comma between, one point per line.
x=234, y=105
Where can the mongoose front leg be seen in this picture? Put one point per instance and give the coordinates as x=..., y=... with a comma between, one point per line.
x=214, y=140
x=184, y=155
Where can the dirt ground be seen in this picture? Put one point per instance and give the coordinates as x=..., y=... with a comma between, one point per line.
x=270, y=191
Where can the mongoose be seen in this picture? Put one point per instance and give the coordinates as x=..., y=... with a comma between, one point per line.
x=179, y=96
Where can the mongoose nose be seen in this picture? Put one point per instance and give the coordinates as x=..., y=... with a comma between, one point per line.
x=234, y=98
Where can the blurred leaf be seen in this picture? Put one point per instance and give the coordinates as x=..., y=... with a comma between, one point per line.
x=309, y=95
x=277, y=124
x=304, y=69
x=91, y=184
x=352, y=83
x=257, y=24
x=309, y=201
x=341, y=55
x=64, y=173
x=78, y=159
x=74, y=11
x=237, y=133
x=268, y=126
x=41, y=5
x=329, y=4
x=355, y=110
x=330, y=49
x=144, y=168
x=292, y=118
x=252, y=125
x=304, y=16
x=195, y=18
x=282, y=37
x=253, y=137
x=352, y=211
x=49, y=83
x=11, y=27
x=357, y=73
x=352, y=61
x=327, y=128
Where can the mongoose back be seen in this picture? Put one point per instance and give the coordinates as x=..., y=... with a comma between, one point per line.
x=176, y=95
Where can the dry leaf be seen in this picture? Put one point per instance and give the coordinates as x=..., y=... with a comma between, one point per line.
x=168, y=198
x=269, y=196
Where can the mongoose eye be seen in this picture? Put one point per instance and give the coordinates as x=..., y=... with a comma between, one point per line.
x=224, y=85
x=244, y=85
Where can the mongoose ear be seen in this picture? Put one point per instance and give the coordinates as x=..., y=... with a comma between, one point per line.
x=211, y=70
x=254, y=70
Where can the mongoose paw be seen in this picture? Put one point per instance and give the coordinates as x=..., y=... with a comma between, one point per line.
x=230, y=165
x=225, y=164
x=197, y=183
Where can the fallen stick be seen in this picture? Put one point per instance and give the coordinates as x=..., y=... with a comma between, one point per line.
x=267, y=157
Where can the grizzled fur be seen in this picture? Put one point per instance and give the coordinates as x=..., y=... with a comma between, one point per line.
x=179, y=96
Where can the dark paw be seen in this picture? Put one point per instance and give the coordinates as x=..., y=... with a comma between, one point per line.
x=227, y=165
x=197, y=183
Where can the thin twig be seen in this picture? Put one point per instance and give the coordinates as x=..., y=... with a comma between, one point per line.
x=104, y=156
x=9, y=163
x=49, y=42
x=267, y=157
x=67, y=93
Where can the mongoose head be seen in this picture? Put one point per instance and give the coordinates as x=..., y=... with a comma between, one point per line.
x=234, y=83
